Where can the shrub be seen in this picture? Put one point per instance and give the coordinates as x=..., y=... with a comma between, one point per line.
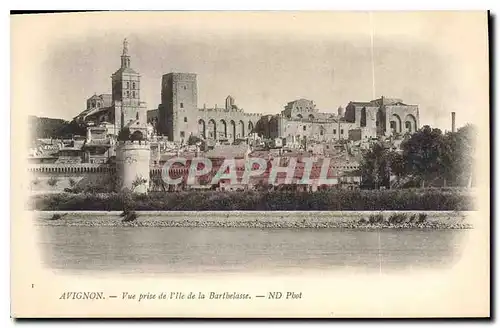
x=376, y=218
x=422, y=217
x=126, y=200
x=129, y=216
x=138, y=181
x=325, y=200
x=397, y=218
x=35, y=181
x=52, y=181
x=93, y=189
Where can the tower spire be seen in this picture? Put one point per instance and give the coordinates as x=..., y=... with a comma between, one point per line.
x=125, y=47
x=125, y=56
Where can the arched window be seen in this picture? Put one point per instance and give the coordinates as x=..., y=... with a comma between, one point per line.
x=133, y=85
x=128, y=85
x=136, y=116
x=128, y=94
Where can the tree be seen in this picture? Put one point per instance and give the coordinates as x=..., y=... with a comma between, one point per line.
x=375, y=167
x=425, y=154
x=193, y=140
x=397, y=164
x=71, y=129
x=137, y=136
x=124, y=134
x=460, y=154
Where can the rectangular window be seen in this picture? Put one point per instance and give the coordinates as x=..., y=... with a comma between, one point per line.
x=334, y=131
x=341, y=131
x=182, y=134
x=185, y=119
x=128, y=85
x=182, y=105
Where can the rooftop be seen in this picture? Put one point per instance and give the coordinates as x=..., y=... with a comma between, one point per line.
x=228, y=151
x=126, y=70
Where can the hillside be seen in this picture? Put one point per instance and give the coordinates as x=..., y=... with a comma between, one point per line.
x=44, y=127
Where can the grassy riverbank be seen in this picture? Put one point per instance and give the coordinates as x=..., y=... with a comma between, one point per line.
x=327, y=200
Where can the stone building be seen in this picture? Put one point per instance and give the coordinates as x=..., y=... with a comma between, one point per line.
x=123, y=106
x=179, y=117
x=383, y=117
x=301, y=121
x=96, y=105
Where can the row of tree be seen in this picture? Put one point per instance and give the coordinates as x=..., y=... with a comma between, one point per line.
x=427, y=158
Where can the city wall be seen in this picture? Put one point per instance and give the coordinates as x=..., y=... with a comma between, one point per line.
x=55, y=178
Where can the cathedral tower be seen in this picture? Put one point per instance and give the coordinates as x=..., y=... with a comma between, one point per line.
x=126, y=93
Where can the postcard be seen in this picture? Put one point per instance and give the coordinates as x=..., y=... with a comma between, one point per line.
x=250, y=164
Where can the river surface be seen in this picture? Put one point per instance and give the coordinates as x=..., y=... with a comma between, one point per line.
x=221, y=250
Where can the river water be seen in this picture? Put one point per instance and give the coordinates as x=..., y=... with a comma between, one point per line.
x=221, y=250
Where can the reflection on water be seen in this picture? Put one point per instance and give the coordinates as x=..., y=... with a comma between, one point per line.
x=190, y=250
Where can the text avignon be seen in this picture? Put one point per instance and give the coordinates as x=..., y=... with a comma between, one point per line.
x=82, y=296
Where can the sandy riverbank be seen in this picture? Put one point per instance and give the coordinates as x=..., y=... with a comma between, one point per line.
x=278, y=219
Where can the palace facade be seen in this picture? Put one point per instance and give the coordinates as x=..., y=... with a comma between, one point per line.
x=301, y=121
x=179, y=117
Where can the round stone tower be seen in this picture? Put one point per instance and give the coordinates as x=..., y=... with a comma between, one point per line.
x=132, y=166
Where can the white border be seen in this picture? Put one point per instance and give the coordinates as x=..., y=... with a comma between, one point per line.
x=189, y=5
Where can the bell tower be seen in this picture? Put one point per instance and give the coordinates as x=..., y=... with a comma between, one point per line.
x=126, y=92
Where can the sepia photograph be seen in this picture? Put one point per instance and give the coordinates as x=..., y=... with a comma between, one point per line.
x=250, y=164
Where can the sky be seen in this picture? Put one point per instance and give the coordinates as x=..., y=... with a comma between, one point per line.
x=264, y=60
